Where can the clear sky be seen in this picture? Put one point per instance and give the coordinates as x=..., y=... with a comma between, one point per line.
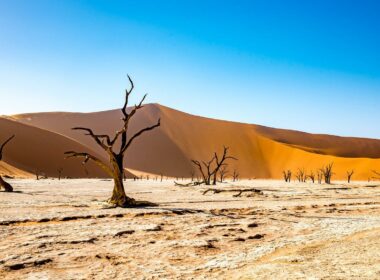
x=305, y=65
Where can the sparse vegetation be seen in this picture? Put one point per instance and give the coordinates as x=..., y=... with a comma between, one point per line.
x=222, y=173
x=327, y=172
x=116, y=147
x=349, y=175
x=287, y=175
x=59, y=170
x=301, y=175
x=235, y=175
x=209, y=170
x=311, y=176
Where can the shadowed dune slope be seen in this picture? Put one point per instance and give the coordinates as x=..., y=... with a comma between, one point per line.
x=262, y=152
x=37, y=149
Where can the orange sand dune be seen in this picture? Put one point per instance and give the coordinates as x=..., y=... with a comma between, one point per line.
x=37, y=149
x=262, y=152
x=9, y=170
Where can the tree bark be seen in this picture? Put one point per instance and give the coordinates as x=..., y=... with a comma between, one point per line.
x=119, y=198
x=7, y=187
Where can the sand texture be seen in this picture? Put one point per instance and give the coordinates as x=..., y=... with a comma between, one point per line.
x=54, y=229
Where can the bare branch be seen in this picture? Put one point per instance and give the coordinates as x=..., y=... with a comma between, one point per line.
x=96, y=137
x=3, y=145
x=88, y=157
x=127, y=117
x=127, y=93
x=139, y=133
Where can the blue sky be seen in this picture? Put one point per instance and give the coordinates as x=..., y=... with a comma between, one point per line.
x=305, y=65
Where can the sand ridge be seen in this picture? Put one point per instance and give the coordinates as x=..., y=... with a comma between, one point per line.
x=262, y=152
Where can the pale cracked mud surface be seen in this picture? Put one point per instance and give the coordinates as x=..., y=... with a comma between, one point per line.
x=53, y=229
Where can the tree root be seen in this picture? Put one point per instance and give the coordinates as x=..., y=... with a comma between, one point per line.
x=239, y=191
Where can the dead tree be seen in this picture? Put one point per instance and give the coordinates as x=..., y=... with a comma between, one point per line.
x=320, y=176
x=209, y=169
x=311, y=176
x=287, y=175
x=59, y=170
x=222, y=173
x=206, y=173
x=192, y=174
x=327, y=172
x=221, y=162
x=349, y=175
x=6, y=186
x=116, y=147
x=301, y=175
x=37, y=173
x=235, y=175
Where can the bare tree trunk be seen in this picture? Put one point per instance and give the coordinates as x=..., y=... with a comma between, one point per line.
x=119, y=198
x=214, y=179
x=7, y=187
x=116, y=154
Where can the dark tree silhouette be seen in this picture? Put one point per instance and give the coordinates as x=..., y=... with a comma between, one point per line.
x=205, y=172
x=301, y=175
x=287, y=175
x=37, y=173
x=116, y=147
x=59, y=170
x=192, y=174
x=235, y=175
x=6, y=186
x=311, y=176
x=222, y=173
x=327, y=172
x=221, y=162
x=320, y=176
x=209, y=169
x=349, y=175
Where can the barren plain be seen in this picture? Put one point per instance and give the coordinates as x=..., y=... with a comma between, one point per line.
x=52, y=229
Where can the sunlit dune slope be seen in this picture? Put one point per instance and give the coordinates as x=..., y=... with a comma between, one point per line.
x=324, y=144
x=37, y=149
x=9, y=170
x=261, y=152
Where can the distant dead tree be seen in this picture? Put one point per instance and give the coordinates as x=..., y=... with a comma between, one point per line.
x=301, y=175
x=205, y=170
x=6, y=186
x=319, y=176
x=311, y=176
x=223, y=173
x=235, y=175
x=161, y=176
x=220, y=162
x=192, y=175
x=327, y=172
x=349, y=175
x=59, y=170
x=287, y=175
x=37, y=173
x=115, y=147
x=209, y=169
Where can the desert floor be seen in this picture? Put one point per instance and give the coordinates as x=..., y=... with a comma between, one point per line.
x=52, y=229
